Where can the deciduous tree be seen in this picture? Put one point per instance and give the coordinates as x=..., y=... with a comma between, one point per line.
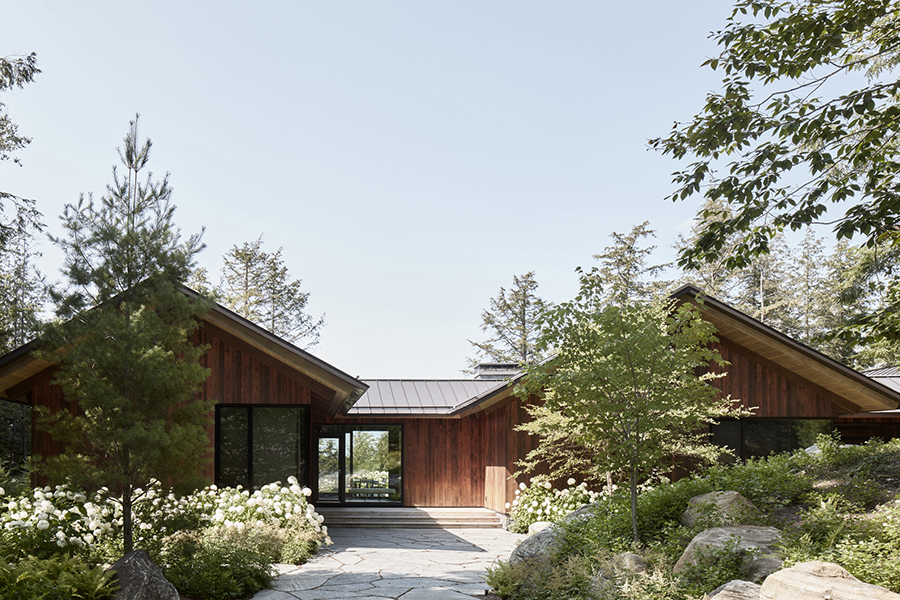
x=122, y=342
x=806, y=120
x=623, y=389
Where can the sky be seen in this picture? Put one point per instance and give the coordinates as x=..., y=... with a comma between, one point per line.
x=409, y=157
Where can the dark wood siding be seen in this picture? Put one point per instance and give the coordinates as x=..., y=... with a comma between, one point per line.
x=775, y=392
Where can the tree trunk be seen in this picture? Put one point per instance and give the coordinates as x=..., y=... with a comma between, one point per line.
x=127, y=525
x=632, y=484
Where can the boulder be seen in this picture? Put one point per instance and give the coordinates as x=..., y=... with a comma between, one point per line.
x=736, y=590
x=629, y=562
x=140, y=579
x=756, y=544
x=817, y=580
x=538, y=526
x=583, y=513
x=719, y=508
x=535, y=548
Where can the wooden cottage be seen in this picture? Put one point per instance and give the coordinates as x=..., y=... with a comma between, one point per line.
x=443, y=443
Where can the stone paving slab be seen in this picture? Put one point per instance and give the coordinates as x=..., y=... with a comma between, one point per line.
x=390, y=564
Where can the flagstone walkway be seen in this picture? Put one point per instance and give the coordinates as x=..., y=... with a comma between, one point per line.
x=382, y=564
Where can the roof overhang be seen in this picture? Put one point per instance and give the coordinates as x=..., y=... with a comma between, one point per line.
x=854, y=388
x=341, y=390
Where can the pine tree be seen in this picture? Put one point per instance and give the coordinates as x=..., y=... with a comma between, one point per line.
x=257, y=285
x=24, y=291
x=512, y=321
x=125, y=326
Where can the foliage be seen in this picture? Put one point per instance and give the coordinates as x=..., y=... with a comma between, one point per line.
x=769, y=482
x=57, y=578
x=623, y=268
x=128, y=363
x=193, y=562
x=195, y=536
x=507, y=579
x=15, y=72
x=541, y=501
x=512, y=319
x=623, y=392
x=776, y=56
x=711, y=568
x=256, y=285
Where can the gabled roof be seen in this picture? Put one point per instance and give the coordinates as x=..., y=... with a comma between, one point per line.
x=447, y=398
x=20, y=364
x=856, y=391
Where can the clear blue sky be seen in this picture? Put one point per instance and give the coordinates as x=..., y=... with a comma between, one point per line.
x=410, y=157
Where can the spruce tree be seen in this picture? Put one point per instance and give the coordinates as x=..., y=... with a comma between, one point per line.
x=257, y=285
x=623, y=270
x=512, y=321
x=122, y=343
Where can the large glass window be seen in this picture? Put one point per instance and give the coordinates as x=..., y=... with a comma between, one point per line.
x=760, y=437
x=256, y=445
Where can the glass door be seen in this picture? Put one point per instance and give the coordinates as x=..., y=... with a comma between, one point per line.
x=359, y=464
x=331, y=476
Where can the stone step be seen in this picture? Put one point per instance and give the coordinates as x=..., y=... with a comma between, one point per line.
x=410, y=518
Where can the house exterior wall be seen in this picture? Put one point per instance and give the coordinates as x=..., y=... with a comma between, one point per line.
x=773, y=391
x=458, y=462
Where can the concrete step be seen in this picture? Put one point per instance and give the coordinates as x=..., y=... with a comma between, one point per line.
x=410, y=518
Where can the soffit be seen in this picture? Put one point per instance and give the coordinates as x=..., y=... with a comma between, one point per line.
x=789, y=354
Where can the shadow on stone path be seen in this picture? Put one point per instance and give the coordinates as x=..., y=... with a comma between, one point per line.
x=381, y=564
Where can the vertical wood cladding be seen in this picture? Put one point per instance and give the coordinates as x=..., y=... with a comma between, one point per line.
x=451, y=462
x=774, y=391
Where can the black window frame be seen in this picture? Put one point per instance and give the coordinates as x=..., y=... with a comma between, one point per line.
x=303, y=480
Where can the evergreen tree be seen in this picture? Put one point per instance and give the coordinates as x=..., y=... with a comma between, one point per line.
x=712, y=278
x=763, y=292
x=624, y=271
x=806, y=281
x=257, y=285
x=24, y=291
x=512, y=320
x=125, y=326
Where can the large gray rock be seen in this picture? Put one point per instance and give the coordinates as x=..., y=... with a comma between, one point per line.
x=719, y=508
x=817, y=580
x=535, y=548
x=538, y=526
x=736, y=590
x=140, y=579
x=756, y=544
x=629, y=562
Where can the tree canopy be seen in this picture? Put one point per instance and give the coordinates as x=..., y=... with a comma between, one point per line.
x=512, y=321
x=257, y=285
x=803, y=131
x=627, y=389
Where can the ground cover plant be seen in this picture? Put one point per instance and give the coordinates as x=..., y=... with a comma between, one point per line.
x=836, y=503
x=214, y=543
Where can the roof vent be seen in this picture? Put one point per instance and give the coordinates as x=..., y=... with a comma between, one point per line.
x=496, y=371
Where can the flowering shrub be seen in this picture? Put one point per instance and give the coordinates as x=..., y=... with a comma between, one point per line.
x=542, y=502
x=50, y=521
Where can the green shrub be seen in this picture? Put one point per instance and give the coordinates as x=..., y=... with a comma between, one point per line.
x=711, y=568
x=770, y=482
x=512, y=580
x=300, y=543
x=58, y=578
x=221, y=563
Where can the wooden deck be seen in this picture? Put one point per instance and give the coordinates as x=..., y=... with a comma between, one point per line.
x=409, y=518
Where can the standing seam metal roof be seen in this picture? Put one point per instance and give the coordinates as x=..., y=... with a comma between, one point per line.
x=420, y=396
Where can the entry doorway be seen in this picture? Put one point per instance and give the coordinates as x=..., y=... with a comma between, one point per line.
x=359, y=464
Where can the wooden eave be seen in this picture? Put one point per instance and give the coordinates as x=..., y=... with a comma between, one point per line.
x=345, y=390
x=821, y=371
x=17, y=366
